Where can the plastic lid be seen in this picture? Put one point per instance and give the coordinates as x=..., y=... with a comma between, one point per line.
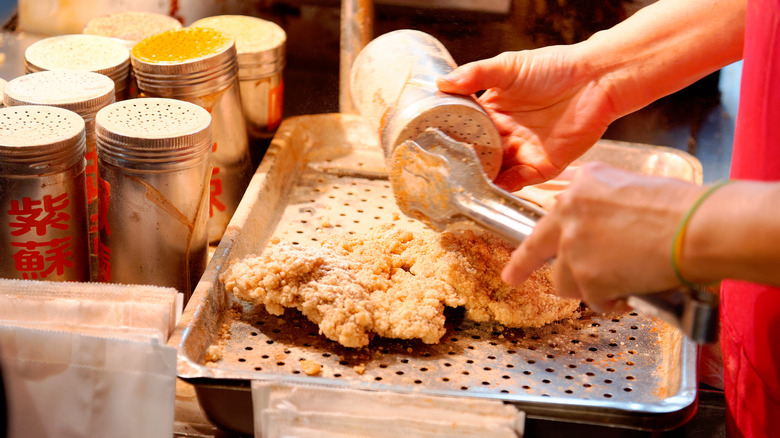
x=81, y=91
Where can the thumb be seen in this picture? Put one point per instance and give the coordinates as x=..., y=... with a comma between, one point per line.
x=498, y=71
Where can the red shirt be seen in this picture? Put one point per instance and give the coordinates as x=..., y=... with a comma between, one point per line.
x=750, y=313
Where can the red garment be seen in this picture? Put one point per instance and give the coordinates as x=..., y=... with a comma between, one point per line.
x=750, y=313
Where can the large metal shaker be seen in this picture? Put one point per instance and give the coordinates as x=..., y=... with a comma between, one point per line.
x=43, y=212
x=153, y=189
x=199, y=65
x=393, y=84
x=84, y=93
x=260, y=45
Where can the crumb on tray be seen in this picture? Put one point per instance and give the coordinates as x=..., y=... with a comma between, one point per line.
x=310, y=367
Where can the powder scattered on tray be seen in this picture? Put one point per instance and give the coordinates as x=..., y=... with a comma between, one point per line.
x=395, y=283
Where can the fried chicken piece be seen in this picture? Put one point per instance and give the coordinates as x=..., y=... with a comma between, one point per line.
x=394, y=283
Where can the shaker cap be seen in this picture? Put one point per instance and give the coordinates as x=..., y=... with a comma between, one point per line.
x=258, y=41
x=77, y=52
x=83, y=92
x=41, y=136
x=131, y=26
x=149, y=125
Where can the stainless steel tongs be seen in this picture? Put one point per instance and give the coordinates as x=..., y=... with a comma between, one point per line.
x=440, y=181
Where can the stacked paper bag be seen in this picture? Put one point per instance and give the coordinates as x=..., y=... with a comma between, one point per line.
x=283, y=410
x=88, y=359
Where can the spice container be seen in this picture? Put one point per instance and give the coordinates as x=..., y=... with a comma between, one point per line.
x=393, y=85
x=260, y=45
x=84, y=93
x=130, y=26
x=153, y=167
x=43, y=224
x=198, y=65
x=98, y=54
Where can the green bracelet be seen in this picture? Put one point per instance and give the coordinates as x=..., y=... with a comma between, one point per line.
x=680, y=234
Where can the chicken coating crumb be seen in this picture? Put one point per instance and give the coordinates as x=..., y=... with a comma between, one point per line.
x=310, y=367
x=395, y=284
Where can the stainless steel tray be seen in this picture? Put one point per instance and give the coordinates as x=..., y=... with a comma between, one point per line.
x=325, y=174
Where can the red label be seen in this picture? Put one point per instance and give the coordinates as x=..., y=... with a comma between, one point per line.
x=103, y=251
x=215, y=191
x=39, y=259
x=275, y=95
x=91, y=172
x=39, y=215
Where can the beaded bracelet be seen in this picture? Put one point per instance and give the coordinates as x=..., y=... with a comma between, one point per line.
x=680, y=234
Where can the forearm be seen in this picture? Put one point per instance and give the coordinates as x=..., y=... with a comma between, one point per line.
x=735, y=234
x=663, y=48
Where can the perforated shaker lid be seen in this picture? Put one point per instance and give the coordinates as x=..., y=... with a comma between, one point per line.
x=95, y=53
x=152, y=127
x=41, y=136
x=258, y=41
x=80, y=91
x=131, y=26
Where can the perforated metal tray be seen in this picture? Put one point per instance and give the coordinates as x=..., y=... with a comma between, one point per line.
x=324, y=174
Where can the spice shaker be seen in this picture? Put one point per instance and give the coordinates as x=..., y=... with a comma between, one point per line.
x=260, y=45
x=153, y=185
x=393, y=85
x=84, y=93
x=130, y=26
x=43, y=224
x=198, y=65
x=98, y=54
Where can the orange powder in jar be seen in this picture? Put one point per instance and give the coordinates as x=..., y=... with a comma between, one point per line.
x=181, y=45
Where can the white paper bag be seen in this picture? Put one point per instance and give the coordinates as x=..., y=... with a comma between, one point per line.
x=68, y=384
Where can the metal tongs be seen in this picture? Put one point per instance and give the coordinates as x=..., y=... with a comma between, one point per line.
x=440, y=181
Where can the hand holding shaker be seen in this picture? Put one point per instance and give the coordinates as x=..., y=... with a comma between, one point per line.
x=153, y=192
x=199, y=65
x=43, y=223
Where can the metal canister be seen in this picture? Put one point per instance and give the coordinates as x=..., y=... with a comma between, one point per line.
x=199, y=65
x=84, y=93
x=393, y=85
x=260, y=45
x=43, y=223
x=153, y=188
x=99, y=54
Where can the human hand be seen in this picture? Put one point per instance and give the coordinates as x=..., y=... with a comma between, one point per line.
x=611, y=232
x=547, y=104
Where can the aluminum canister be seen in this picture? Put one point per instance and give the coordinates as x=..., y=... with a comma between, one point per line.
x=99, y=54
x=84, y=93
x=199, y=65
x=43, y=223
x=261, y=57
x=393, y=85
x=153, y=188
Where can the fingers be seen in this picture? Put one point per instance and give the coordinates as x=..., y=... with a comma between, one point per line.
x=479, y=75
x=537, y=248
x=517, y=177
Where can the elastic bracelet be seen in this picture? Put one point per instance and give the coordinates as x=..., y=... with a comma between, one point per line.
x=679, y=236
